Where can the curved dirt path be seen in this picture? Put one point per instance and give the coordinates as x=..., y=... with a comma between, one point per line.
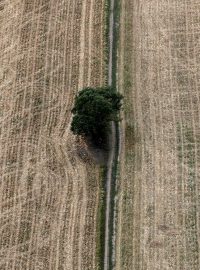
x=112, y=143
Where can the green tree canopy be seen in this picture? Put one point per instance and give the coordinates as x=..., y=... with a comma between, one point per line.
x=93, y=110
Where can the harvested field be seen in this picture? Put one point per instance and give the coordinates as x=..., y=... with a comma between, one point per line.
x=49, y=187
x=159, y=176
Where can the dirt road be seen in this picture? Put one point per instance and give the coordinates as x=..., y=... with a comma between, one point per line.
x=112, y=142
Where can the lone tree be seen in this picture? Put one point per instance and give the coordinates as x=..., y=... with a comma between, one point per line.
x=93, y=110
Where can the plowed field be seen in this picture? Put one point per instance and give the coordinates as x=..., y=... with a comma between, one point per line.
x=159, y=182
x=49, y=188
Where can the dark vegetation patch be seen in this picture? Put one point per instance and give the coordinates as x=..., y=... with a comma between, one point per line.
x=93, y=110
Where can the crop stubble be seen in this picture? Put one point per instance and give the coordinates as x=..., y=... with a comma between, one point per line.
x=49, y=194
x=159, y=181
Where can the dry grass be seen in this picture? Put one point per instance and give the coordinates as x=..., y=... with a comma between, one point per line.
x=159, y=63
x=49, y=194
